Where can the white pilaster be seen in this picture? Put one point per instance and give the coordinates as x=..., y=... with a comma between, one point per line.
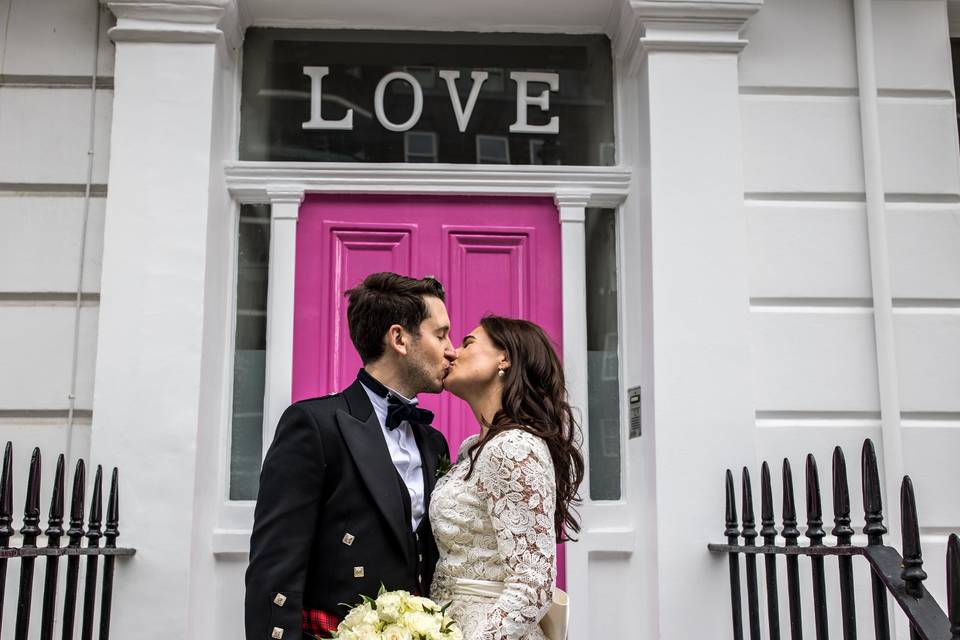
x=162, y=278
x=572, y=208
x=698, y=362
x=284, y=210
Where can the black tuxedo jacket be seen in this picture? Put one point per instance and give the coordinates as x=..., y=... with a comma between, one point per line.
x=330, y=520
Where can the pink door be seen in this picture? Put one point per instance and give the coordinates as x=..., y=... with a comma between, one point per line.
x=493, y=255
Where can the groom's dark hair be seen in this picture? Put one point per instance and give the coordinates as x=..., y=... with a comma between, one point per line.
x=385, y=299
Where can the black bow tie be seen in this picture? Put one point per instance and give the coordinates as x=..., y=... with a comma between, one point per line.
x=398, y=410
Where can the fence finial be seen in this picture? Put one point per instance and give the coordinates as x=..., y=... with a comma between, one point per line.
x=953, y=584
x=872, y=503
x=6, y=497
x=31, y=508
x=790, y=532
x=749, y=520
x=913, y=574
x=732, y=531
x=841, y=499
x=768, y=527
x=815, y=531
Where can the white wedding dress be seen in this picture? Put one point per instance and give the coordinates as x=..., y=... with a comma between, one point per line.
x=496, y=529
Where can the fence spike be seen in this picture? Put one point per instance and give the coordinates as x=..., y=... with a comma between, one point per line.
x=913, y=574
x=841, y=499
x=872, y=502
x=769, y=532
x=55, y=517
x=749, y=520
x=113, y=512
x=815, y=532
x=54, y=532
x=732, y=531
x=768, y=527
x=96, y=510
x=790, y=532
x=75, y=535
x=953, y=585
x=31, y=508
x=75, y=532
x=6, y=497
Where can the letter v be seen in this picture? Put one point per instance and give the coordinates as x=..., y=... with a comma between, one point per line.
x=463, y=113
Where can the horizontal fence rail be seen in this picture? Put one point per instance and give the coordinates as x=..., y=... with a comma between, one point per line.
x=28, y=552
x=891, y=574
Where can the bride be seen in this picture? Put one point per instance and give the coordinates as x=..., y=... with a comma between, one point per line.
x=500, y=510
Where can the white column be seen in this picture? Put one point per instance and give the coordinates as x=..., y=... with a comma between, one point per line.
x=284, y=210
x=699, y=359
x=162, y=279
x=572, y=208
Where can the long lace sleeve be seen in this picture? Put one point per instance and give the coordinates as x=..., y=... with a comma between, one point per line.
x=516, y=478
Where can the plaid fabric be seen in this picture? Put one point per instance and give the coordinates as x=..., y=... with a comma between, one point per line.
x=319, y=623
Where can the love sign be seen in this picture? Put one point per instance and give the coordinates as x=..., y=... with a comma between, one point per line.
x=462, y=111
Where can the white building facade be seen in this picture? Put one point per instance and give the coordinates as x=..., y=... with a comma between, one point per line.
x=785, y=189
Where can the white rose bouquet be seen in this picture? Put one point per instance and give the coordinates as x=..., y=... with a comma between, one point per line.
x=398, y=615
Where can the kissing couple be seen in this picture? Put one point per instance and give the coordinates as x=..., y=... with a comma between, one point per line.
x=357, y=489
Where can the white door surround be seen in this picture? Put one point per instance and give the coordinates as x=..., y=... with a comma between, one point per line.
x=283, y=186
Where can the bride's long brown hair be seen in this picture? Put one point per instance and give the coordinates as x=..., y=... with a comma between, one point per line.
x=535, y=400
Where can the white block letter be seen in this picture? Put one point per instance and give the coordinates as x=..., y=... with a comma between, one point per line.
x=316, y=121
x=417, y=101
x=524, y=100
x=463, y=113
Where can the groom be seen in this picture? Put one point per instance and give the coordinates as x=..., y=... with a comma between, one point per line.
x=345, y=486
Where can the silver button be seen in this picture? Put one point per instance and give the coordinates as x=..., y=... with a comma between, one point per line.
x=421, y=557
x=348, y=539
x=358, y=572
x=280, y=600
x=277, y=633
x=419, y=578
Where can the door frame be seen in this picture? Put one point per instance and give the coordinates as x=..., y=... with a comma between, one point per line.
x=283, y=186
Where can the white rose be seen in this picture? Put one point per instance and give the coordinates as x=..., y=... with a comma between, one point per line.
x=396, y=632
x=416, y=603
x=367, y=632
x=360, y=616
x=390, y=606
x=343, y=633
x=420, y=623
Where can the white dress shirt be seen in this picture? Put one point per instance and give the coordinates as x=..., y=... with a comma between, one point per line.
x=404, y=453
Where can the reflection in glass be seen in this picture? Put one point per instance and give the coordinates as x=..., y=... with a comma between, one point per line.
x=603, y=363
x=249, y=356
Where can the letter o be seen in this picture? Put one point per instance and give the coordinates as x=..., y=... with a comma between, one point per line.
x=417, y=101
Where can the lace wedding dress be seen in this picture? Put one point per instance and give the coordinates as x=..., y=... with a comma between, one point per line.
x=496, y=529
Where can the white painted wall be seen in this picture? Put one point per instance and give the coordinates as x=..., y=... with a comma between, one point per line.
x=47, y=50
x=814, y=347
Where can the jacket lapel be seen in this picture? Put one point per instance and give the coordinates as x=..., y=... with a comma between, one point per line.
x=363, y=436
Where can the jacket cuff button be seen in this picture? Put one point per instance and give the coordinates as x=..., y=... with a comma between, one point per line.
x=277, y=633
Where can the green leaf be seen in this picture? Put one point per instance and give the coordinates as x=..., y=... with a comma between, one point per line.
x=382, y=591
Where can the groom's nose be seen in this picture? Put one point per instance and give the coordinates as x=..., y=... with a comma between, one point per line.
x=449, y=352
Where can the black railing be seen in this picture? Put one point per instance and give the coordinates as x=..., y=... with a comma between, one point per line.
x=29, y=552
x=893, y=575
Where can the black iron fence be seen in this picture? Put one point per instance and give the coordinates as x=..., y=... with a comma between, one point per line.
x=28, y=552
x=891, y=574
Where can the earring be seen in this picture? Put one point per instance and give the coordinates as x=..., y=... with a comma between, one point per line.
x=500, y=373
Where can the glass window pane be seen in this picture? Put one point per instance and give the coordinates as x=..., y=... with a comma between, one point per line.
x=249, y=356
x=603, y=355
x=277, y=95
